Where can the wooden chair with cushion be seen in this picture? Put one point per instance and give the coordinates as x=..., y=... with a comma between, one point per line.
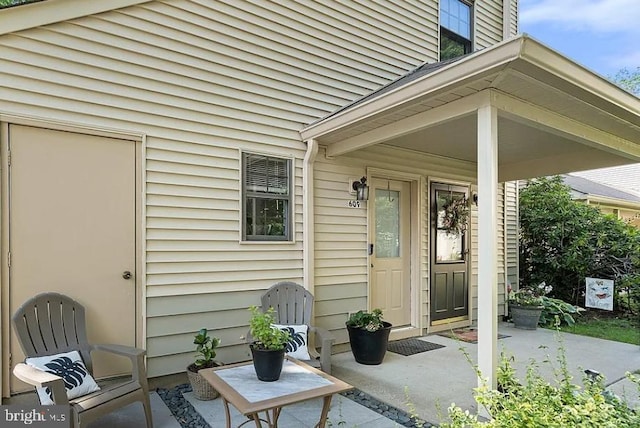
x=51, y=324
x=293, y=305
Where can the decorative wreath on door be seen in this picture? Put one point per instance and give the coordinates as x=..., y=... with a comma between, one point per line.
x=456, y=213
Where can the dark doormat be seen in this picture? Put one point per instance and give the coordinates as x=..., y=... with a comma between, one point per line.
x=408, y=347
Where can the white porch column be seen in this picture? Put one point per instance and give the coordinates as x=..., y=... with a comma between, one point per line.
x=487, y=242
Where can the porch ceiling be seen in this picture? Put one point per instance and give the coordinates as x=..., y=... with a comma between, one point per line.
x=554, y=116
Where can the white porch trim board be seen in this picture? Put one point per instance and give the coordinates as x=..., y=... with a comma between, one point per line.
x=417, y=122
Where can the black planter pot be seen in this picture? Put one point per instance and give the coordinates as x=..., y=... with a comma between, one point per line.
x=268, y=363
x=369, y=347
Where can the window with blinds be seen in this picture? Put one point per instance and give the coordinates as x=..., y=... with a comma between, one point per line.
x=266, y=198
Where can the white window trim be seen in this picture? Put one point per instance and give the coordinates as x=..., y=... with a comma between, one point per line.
x=292, y=197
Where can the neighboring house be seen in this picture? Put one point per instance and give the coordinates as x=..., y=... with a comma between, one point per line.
x=625, y=206
x=625, y=177
x=165, y=162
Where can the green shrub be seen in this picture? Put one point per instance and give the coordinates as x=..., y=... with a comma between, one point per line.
x=557, y=312
x=538, y=403
x=563, y=241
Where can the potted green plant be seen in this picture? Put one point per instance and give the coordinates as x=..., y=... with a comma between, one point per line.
x=526, y=305
x=268, y=344
x=205, y=358
x=368, y=336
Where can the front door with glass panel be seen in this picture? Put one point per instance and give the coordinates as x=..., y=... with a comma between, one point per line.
x=390, y=205
x=449, y=278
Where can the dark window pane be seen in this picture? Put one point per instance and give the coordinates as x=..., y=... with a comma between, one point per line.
x=270, y=217
x=449, y=245
x=452, y=46
x=249, y=216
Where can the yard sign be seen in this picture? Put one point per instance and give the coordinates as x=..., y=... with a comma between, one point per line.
x=599, y=294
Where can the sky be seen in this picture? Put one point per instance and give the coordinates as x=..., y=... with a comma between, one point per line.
x=602, y=35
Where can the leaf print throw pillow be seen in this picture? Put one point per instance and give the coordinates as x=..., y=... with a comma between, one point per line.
x=71, y=369
x=297, y=345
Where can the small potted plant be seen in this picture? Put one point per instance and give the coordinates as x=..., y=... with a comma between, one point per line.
x=368, y=336
x=205, y=347
x=268, y=345
x=526, y=305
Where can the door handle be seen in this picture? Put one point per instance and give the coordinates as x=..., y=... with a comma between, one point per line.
x=126, y=274
x=370, y=249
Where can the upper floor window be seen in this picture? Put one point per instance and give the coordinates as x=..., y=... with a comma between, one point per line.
x=455, y=29
x=266, y=198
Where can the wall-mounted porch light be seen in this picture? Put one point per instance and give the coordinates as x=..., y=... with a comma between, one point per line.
x=361, y=188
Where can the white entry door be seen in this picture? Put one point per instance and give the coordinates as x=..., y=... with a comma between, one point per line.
x=390, y=230
x=72, y=213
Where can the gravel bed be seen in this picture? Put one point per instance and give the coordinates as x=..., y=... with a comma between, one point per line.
x=388, y=411
x=184, y=412
x=188, y=417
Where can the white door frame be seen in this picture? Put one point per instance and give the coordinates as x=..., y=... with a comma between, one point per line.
x=416, y=192
x=140, y=227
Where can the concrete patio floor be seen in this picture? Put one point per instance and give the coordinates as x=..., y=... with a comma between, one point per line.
x=431, y=380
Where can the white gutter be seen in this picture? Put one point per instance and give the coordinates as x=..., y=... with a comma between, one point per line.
x=308, y=252
x=552, y=61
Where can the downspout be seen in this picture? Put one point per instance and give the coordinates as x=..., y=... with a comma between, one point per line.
x=505, y=243
x=308, y=229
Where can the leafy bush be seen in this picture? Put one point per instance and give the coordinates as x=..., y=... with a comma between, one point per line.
x=563, y=241
x=557, y=312
x=539, y=403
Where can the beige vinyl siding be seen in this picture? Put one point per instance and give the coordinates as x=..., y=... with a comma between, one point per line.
x=431, y=35
x=511, y=230
x=488, y=23
x=341, y=232
x=515, y=13
x=203, y=81
x=500, y=210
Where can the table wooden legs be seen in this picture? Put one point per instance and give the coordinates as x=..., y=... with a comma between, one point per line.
x=226, y=412
x=325, y=411
x=272, y=415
